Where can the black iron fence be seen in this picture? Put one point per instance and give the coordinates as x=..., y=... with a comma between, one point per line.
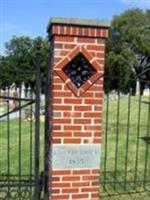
x=21, y=140
x=125, y=161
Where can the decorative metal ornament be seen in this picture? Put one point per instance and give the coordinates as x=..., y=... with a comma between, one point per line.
x=79, y=70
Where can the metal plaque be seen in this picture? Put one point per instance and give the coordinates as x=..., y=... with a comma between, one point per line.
x=75, y=156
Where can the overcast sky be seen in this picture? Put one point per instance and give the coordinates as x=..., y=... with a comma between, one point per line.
x=30, y=17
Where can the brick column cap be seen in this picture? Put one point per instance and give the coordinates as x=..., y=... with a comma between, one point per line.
x=76, y=23
x=79, y=22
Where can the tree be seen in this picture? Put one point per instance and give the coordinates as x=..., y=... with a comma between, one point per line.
x=19, y=61
x=5, y=78
x=128, y=48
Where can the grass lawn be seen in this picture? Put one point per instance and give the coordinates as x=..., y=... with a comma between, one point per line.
x=17, y=147
x=17, y=153
x=17, y=143
x=129, y=158
x=138, y=196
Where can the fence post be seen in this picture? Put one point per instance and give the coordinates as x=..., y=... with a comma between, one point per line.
x=37, y=125
x=77, y=67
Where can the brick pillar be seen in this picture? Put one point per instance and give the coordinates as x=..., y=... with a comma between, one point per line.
x=76, y=104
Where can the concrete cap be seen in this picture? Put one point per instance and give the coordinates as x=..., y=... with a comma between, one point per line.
x=78, y=22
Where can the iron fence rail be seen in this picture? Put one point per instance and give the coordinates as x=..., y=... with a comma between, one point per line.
x=20, y=169
x=126, y=148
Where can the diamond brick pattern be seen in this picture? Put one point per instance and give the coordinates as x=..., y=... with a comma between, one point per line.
x=79, y=70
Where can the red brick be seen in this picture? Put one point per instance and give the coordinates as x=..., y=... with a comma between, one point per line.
x=93, y=127
x=104, y=33
x=95, y=195
x=101, y=55
x=92, y=114
x=90, y=178
x=62, y=134
x=98, y=121
x=68, y=30
x=82, y=108
x=64, y=39
x=61, y=172
x=58, y=46
x=79, y=196
x=80, y=31
x=101, y=62
x=72, y=101
x=82, y=121
x=80, y=184
x=64, y=52
x=86, y=54
x=95, y=183
x=69, y=46
x=56, y=127
x=70, y=190
x=92, y=101
x=93, y=31
x=61, y=29
x=86, y=40
x=71, y=178
x=98, y=32
x=99, y=94
x=56, y=60
x=72, y=127
x=72, y=87
x=61, y=94
x=90, y=189
x=72, y=141
x=82, y=134
x=74, y=53
x=61, y=63
x=87, y=31
x=56, y=141
x=61, y=107
x=95, y=48
x=88, y=94
x=74, y=31
x=57, y=101
x=97, y=134
x=96, y=171
x=72, y=114
x=60, y=197
x=61, y=121
x=55, y=191
x=82, y=171
x=80, y=118
x=55, y=29
x=57, y=87
x=55, y=179
x=97, y=140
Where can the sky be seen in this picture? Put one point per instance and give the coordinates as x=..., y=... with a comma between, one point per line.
x=31, y=17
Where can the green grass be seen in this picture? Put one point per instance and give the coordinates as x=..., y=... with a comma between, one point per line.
x=17, y=143
x=25, y=148
x=21, y=147
x=137, y=157
x=137, y=196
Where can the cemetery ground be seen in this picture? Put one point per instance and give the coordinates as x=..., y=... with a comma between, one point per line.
x=18, y=159
x=121, y=126
x=127, y=154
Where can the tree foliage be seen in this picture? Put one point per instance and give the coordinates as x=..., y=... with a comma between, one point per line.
x=18, y=65
x=128, y=49
x=127, y=54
